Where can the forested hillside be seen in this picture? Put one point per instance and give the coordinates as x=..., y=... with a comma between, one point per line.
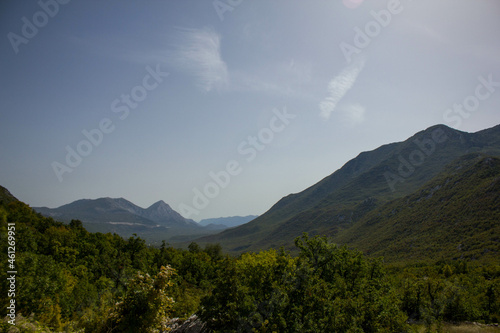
x=72, y=280
x=454, y=216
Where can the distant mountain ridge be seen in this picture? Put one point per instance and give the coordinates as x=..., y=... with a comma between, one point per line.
x=364, y=183
x=163, y=214
x=228, y=222
x=155, y=223
x=125, y=218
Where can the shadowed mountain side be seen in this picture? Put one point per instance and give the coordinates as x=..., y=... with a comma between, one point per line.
x=228, y=222
x=454, y=216
x=362, y=184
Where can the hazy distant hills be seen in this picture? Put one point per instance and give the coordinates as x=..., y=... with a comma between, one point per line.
x=102, y=210
x=157, y=222
x=342, y=200
x=164, y=215
x=228, y=222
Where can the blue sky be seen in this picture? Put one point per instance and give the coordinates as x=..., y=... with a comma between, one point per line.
x=222, y=108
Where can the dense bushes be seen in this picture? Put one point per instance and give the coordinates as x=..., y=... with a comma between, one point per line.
x=325, y=289
x=146, y=305
x=70, y=279
x=447, y=292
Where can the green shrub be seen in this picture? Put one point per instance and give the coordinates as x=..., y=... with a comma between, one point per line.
x=146, y=306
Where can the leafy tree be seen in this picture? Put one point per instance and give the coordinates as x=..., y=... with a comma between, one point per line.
x=325, y=289
x=338, y=290
x=71, y=279
x=146, y=305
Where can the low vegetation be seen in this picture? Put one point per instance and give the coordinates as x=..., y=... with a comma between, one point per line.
x=75, y=281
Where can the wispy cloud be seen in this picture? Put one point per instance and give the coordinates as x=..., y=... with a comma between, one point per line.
x=198, y=54
x=353, y=114
x=281, y=78
x=339, y=86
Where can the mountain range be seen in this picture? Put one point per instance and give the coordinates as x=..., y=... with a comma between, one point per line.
x=342, y=204
x=435, y=195
x=227, y=222
x=157, y=222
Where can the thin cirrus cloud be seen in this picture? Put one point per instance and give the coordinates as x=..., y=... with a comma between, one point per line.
x=282, y=78
x=339, y=86
x=198, y=54
x=353, y=114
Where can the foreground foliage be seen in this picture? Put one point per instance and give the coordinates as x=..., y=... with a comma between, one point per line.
x=326, y=289
x=75, y=281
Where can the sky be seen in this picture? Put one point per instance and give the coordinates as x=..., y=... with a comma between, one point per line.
x=221, y=108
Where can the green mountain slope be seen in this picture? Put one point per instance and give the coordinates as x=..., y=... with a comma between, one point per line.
x=6, y=197
x=368, y=181
x=454, y=216
x=227, y=222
